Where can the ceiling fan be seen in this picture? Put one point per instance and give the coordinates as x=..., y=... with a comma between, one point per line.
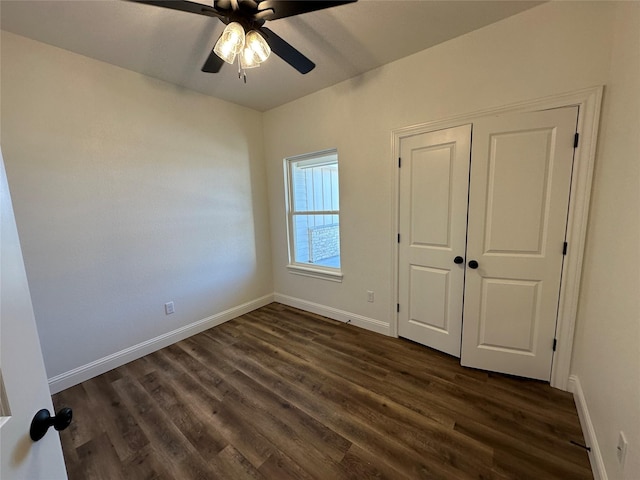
x=245, y=37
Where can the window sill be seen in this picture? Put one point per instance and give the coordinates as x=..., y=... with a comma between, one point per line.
x=315, y=272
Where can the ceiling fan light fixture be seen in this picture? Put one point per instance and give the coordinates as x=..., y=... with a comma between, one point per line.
x=248, y=59
x=252, y=14
x=258, y=45
x=230, y=43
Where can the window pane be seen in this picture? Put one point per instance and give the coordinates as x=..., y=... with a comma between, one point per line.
x=314, y=187
x=317, y=240
x=314, y=204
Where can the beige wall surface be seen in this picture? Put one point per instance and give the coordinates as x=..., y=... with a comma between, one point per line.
x=128, y=193
x=607, y=342
x=555, y=48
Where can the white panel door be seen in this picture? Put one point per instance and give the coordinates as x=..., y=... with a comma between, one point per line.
x=518, y=200
x=434, y=180
x=26, y=390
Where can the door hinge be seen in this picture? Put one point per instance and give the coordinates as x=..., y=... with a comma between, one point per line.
x=555, y=344
x=398, y=238
x=576, y=138
x=564, y=248
x=399, y=162
x=397, y=307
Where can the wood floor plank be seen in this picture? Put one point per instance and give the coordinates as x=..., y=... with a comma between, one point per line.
x=120, y=426
x=73, y=436
x=361, y=463
x=274, y=412
x=79, y=432
x=525, y=452
x=221, y=417
x=206, y=440
x=374, y=379
x=98, y=459
x=388, y=419
x=280, y=466
x=543, y=427
x=284, y=394
x=146, y=464
x=296, y=422
x=233, y=465
x=181, y=457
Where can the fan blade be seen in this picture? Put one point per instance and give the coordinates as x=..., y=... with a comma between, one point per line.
x=286, y=52
x=184, y=6
x=213, y=64
x=289, y=8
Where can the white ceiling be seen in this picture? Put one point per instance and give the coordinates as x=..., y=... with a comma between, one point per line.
x=170, y=45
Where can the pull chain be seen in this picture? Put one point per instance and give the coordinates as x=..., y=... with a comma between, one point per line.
x=241, y=72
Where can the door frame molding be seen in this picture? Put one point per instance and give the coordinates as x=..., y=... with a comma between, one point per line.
x=589, y=101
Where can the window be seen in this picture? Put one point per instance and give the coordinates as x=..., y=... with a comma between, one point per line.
x=313, y=216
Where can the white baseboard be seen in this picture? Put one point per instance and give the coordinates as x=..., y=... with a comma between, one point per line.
x=102, y=365
x=595, y=456
x=367, y=323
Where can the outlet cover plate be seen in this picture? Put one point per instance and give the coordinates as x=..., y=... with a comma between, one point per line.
x=621, y=450
x=168, y=308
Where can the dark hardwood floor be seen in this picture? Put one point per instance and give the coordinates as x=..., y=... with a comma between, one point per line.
x=283, y=394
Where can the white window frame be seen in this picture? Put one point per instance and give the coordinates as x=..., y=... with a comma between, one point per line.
x=329, y=156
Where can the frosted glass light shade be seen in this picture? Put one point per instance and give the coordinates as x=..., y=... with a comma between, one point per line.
x=258, y=45
x=230, y=43
x=248, y=59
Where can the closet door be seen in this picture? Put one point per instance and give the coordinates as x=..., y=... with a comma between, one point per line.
x=518, y=200
x=434, y=178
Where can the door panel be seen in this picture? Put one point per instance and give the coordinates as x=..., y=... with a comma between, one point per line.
x=518, y=200
x=516, y=191
x=431, y=185
x=516, y=300
x=433, y=214
x=428, y=301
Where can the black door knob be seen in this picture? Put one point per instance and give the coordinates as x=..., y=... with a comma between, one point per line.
x=43, y=420
x=458, y=260
x=473, y=264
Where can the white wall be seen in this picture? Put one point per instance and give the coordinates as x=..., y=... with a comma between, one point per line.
x=554, y=48
x=547, y=50
x=128, y=193
x=607, y=342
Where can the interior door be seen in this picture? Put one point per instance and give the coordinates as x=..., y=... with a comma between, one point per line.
x=434, y=178
x=518, y=201
x=25, y=390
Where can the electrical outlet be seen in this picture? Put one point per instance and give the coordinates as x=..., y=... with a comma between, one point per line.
x=621, y=450
x=369, y=296
x=168, y=308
